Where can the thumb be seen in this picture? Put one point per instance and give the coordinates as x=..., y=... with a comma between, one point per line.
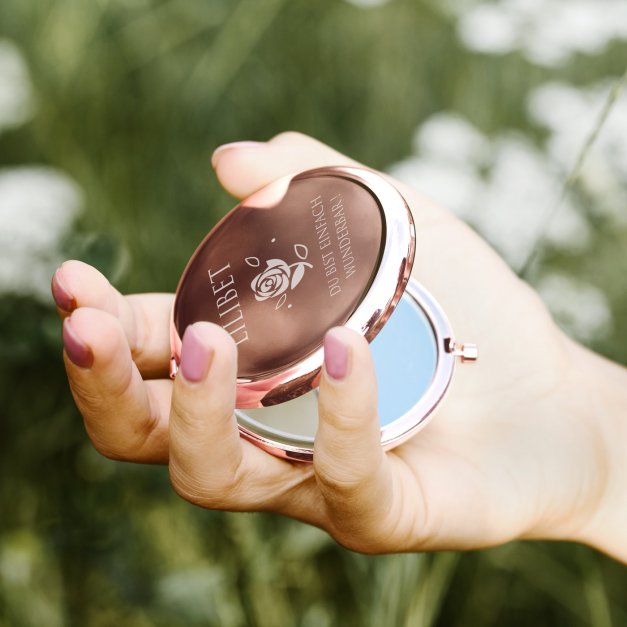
x=205, y=447
x=351, y=468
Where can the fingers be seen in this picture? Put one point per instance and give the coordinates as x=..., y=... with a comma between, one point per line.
x=351, y=468
x=245, y=167
x=143, y=317
x=125, y=418
x=210, y=465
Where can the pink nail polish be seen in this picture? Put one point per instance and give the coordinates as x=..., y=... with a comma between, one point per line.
x=79, y=353
x=232, y=146
x=195, y=357
x=62, y=297
x=335, y=357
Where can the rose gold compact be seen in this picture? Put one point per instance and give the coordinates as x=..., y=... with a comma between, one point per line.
x=322, y=248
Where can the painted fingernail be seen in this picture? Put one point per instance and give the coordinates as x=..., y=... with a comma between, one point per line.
x=335, y=356
x=195, y=356
x=233, y=145
x=61, y=294
x=79, y=353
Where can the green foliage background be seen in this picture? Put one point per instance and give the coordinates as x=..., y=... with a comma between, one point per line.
x=132, y=97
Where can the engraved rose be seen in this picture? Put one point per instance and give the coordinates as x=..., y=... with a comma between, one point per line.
x=278, y=276
x=273, y=281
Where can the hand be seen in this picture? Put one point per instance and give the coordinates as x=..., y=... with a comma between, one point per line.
x=515, y=451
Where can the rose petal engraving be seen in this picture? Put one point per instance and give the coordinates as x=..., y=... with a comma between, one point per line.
x=271, y=263
x=273, y=281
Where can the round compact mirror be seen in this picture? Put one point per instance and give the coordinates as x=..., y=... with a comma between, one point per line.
x=322, y=248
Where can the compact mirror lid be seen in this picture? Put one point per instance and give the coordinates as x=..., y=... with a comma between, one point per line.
x=325, y=247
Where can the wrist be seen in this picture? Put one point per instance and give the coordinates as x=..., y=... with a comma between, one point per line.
x=607, y=413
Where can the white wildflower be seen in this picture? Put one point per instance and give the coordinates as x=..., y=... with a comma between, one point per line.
x=547, y=32
x=580, y=308
x=506, y=188
x=15, y=87
x=37, y=209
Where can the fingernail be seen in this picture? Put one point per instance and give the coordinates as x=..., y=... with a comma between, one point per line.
x=335, y=356
x=195, y=357
x=61, y=295
x=233, y=145
x=79, y=353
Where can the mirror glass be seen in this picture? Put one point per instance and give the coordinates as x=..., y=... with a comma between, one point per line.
x=405, y=356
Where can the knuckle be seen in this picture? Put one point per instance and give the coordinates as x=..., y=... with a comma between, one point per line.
x=106, y=450
x=368, y=538
x=188, y=432
x=340, y=419
x=131, y=442
x=138, y=329
x=345, y=481
x=356, y=543
x=220, y=491
x=186, y=486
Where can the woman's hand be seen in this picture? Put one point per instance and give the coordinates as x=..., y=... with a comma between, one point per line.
x=528, y=443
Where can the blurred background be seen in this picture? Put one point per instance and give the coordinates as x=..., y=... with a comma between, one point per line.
x=512, y=112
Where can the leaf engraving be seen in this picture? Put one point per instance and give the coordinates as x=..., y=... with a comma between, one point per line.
x=297, y=274
x=253, y=261
x=301, y=251
x=281, y=301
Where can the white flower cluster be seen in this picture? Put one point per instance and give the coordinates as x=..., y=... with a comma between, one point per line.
x=582, y=309
x=37, y=209
x=507, y=188
x=37, y=205
x=15, y=88
x=547, y=32
x=504, y=187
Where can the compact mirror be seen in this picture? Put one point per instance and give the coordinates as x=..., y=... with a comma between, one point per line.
x=322, y=248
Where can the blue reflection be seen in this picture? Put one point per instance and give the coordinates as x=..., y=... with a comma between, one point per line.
x=405, y=358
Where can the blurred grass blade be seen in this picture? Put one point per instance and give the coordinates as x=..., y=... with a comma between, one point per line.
x=610, y=102
x=236, y=39
x=427, y=600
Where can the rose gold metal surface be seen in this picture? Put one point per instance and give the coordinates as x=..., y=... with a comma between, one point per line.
x=326, y=247
x=466, y=352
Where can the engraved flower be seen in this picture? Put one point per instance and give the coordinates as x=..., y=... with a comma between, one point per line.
x=273, y=281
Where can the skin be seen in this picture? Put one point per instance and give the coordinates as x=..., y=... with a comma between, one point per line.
x=529, y=443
